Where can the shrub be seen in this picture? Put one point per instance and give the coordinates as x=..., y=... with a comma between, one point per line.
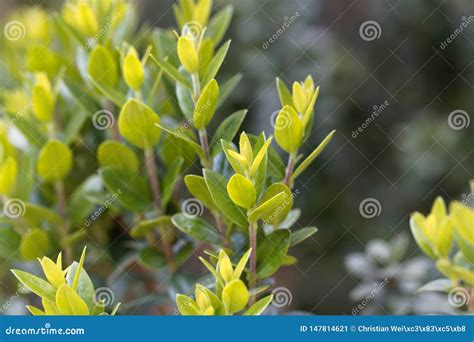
x=90, y=60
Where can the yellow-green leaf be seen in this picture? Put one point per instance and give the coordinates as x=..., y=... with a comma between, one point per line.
x=241, y=265
x=259, y=157
x=133, y=72
x=102, y=66
x=206, y=105
x=112, y=153
x=43, y=99
x=34, y=244
x=188, y=55
x=268, y=208
x=259, y=307
x=307, y=162
x=53, y=272
x=8, y=173
x=224, y=266
x=288, y=130
x=235, y=296
x=137, y=123
x=186, y=305
x=242, y=191
x=280, y=212
x=36, y=285
x=69, y=302
x=54, y=161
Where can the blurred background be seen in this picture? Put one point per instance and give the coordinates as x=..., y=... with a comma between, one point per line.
x=397, y=81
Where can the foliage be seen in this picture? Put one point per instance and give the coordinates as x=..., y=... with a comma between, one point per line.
x=436, y=233
x=64, y=292
x=91, y=60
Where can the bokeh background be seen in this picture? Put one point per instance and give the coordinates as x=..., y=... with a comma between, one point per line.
x=397, y=83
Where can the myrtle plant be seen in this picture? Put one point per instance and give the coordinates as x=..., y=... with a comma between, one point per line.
x=436, y=234
x=231, y=294
x=84, y=171
x=66, y=291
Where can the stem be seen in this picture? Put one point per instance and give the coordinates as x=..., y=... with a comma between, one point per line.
x=207, y=163
x=470, y=306
x=114, y=128
x=253, y=259
x=289, y=169
x=196, y=87
x=155, y=188
x=61, y=198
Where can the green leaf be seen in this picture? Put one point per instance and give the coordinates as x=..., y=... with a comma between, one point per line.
x=36, y=215
x=142, y=228
x=197, y=187
x=133, y=71
x=235, y=296
x=215, y=64
x=286, y=98
x=34, y=244
x=84, y=287
x=133, y=190
x=219, y=24
x=187, y=54
x=302, y=234
x=186, y=305
x=280, y=213
x=416, y=225
x=170, y=180
x=9, y=243
x=272, y=252
x=259, y=307
x=185, y=100
x=69, y=302
x=8, y=175
x=197, y=148
x=288, y=130
x=152, y=258
x=172, y=72
x=54, y=161
x=227, y=130
x=268, y=208
x=111, y=93
x=35, y=133
x=102, y=66
x=228, y=87
x=112, y=153
x=206, y=105
x=242, y=191
x=36, y=285
x=197, y=228
x=307, y=162
x=217, y=184
x=137, y=123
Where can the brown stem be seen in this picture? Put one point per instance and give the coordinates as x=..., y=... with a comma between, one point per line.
x=253, y=259
x=289, y=170
x=471, y=302
x=61, y=198
x=207, y=163
x=155, y=188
